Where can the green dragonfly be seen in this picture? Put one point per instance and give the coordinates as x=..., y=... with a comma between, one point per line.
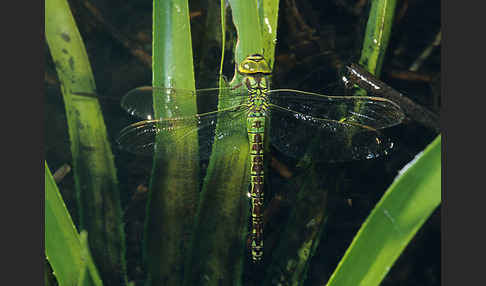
x=327, y=128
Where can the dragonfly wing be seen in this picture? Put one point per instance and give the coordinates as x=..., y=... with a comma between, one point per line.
x=141, y=137
x=296, y=134
x=139, y=101
x=375, y=112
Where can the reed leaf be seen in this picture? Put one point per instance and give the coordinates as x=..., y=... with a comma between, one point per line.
x=377, y=35
x=175, y=179
x=396, y=218
x=290, y=260
x=88, y=274
x=219, y=241
x=93, y=165
x=269, y=21
x=246, y=20
x=66, y=255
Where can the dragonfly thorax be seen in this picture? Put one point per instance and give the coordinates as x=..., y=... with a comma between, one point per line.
x=257, y=94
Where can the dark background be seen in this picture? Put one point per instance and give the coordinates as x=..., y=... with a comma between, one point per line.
x=308, y=56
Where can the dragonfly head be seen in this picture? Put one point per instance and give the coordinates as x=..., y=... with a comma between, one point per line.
x=254, y=64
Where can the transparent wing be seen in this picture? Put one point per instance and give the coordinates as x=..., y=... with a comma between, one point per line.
x=140, y=138
x=374, y=112
x=139, y=101
x=331, y=128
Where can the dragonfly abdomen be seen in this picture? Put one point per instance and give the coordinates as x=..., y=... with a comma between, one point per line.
x=257, y=107
x=256, y=127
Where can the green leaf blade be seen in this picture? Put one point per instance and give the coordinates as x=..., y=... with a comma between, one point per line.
x=269, y=22
x=93, y=163
x=63, y=248
x=404, y=208
x=247, y=23
x=300, y=236
x=220, y=236
x=377, y=35
x=174, y=182
x=61, y=237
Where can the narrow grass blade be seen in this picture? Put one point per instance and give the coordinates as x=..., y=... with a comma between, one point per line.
x=220, y=235
x=88, y=274
x=93, y=165
x=246, y=19
x=62, y=245
x=217, y=245
x=300, y=237
x=269, y=22
x=405, y=206
x=174, y=183
x=290, y=260
x=377, y=34
x=207, y=39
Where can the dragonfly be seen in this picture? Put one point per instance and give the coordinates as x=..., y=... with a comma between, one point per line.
x=326, y=128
